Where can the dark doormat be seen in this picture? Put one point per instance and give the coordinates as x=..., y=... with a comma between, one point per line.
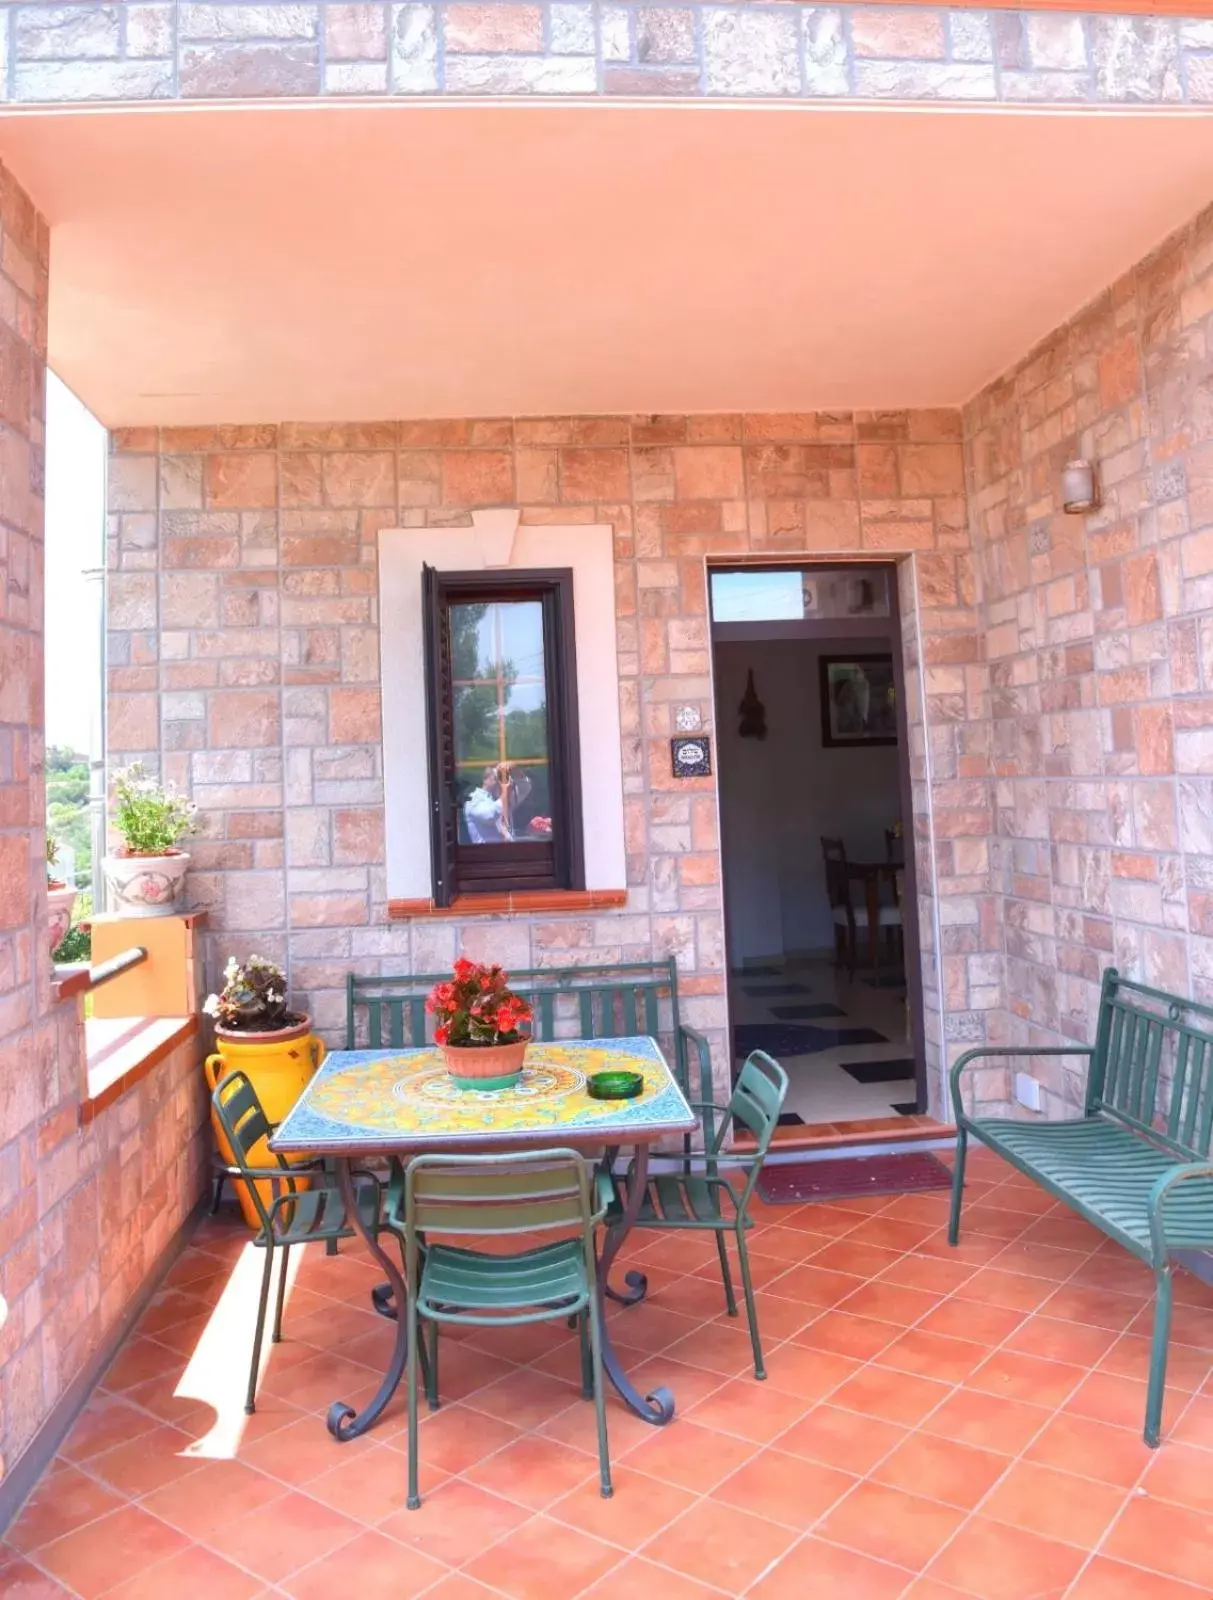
x=791, y=1183
x=879, y=1071
x=791, y=1119
x=906, y=1108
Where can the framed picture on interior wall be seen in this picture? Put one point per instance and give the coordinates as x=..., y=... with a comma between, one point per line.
x=858, y=705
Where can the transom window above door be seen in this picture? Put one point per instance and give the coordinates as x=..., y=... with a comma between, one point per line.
x=795, y=594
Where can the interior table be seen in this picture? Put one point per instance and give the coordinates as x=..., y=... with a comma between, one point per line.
x=398, y=1103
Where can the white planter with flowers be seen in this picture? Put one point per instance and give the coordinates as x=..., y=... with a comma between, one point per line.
x=146, y=876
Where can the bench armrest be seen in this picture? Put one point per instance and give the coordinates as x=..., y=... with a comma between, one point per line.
x=1158, y=1203
x=959, y=1065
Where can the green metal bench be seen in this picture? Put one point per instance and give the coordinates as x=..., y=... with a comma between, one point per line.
x=592, y=1002
x=1136, y=1164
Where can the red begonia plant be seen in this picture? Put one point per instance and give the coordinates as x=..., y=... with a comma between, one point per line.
x=476, y=1007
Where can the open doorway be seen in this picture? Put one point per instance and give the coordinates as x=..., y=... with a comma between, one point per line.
x=820, y=907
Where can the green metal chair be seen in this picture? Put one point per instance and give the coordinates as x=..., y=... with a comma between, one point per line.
x=496, y=1196
x=696, y=1198
x=299, y=1212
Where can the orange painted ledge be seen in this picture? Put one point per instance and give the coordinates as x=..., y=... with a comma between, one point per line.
x=483, y=905
x=123, y=1051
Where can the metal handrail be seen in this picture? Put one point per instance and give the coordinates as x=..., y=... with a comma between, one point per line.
x=81, y=980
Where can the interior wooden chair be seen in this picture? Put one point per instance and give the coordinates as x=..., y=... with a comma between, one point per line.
x=850, y=914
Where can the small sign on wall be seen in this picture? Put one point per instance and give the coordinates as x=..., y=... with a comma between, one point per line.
x=690, y=758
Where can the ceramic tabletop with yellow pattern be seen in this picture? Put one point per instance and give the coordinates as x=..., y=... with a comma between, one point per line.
x=378, y=1101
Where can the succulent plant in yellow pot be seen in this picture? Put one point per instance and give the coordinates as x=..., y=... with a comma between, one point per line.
x=258, y=1034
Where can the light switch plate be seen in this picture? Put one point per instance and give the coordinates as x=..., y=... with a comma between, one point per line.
x=1027, y=1091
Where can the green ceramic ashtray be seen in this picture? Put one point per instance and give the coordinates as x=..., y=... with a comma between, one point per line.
x=614, y=1085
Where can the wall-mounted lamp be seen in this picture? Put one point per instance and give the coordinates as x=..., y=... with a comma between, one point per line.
x=1079, y=490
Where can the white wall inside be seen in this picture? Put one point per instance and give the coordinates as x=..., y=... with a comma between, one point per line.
x=778, y=796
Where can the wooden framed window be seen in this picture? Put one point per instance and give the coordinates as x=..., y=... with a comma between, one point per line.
x=504, y=759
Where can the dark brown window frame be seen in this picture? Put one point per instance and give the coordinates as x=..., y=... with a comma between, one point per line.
x=558, y=863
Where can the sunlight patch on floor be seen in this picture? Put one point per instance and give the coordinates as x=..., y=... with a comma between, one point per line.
x=217, y=1371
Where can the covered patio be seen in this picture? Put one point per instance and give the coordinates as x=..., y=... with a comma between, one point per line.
x=937, y=1424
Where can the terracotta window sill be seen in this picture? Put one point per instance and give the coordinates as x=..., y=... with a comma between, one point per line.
x=472, y=905
x=123, y=1050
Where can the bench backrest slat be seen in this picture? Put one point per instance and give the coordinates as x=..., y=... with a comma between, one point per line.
x=605, y=1002
x=1190, y=1103
x=1147, y=1094
x=1204, y=1137
x=1153, y=1065
x=1179, y=1084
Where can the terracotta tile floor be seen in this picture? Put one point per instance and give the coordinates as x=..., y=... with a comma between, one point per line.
x=937, y=1424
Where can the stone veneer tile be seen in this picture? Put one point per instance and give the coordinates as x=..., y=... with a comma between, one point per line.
x=572, y=29
x=750, y=52
x=198, y=20
x=414, y=49
x=248, y=70
x=64, y=81
x=492, y=28
x=356, y=32
x=472, y=74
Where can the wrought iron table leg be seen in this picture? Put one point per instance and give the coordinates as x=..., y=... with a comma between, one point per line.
x=383, y=1299
x=637, y=1283
x=657, y=1406
x=637, y=1288
x=343, y=1421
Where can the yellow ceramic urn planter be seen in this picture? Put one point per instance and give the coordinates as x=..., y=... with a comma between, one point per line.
x=277, y=1060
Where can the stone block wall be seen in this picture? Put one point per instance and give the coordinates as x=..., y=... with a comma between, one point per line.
x=84, y=1212
x=244, y=662
x=1099, y=634
x=206, y=50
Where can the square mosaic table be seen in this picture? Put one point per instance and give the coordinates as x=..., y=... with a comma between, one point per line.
x=401, y=1102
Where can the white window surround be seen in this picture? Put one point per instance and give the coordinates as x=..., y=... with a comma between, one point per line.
x=498, y=541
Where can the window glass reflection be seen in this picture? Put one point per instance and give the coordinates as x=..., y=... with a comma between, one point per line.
x=499, y=695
